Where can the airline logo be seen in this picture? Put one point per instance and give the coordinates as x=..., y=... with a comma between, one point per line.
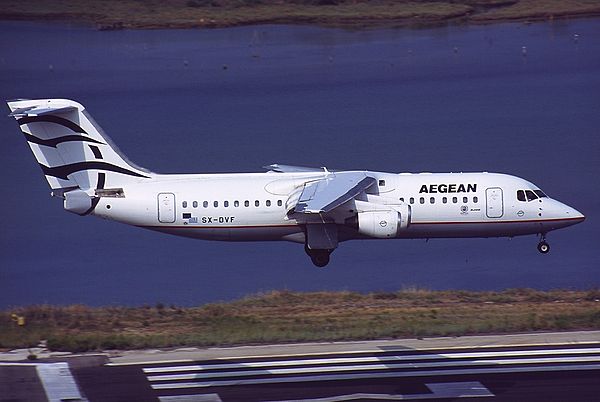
x=448, y=188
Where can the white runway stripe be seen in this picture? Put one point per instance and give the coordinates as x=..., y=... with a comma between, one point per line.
x=469, y=389
x=136, y=363
x=358, y=376
x=58, y=382
x=191, y=398
x=368, y=359
x=368, y=367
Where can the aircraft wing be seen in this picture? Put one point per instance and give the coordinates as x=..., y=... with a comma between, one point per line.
x=328, y=193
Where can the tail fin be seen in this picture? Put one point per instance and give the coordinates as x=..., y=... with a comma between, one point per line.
x=72, y=150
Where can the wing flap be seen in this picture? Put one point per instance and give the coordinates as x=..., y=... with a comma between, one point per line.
x=325, y=195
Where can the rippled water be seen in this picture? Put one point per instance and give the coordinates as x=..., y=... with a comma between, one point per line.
x=513, y=98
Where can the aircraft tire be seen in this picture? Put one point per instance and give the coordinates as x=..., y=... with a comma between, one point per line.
x=319, y=257
x=543, y=247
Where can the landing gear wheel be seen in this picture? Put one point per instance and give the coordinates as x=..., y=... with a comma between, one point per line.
x=543, y=247
x=318, y=257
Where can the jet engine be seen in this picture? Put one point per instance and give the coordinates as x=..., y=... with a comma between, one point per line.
x=381, y=221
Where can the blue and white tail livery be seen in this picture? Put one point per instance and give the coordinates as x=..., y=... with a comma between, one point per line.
x=318, y=208
x=76, y=157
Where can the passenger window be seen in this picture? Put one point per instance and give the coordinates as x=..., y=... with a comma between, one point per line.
x=454, y=200
x=225, y=204
x=465, y=200
x=216, y=204
x=432, y=200
x=184, y=204
x=279, y=203
x=540, y=193
x=205, y=204
x=530, y=195
x=444, y=200
x=521, y=195
x=268, y=203
x=246, y=203
x=412, y=200
x=236, y=203
x=422, y=200
x=257, y=203
x=475, y=200
x=195, y=204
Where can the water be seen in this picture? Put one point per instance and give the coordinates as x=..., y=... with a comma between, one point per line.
x=228, y=100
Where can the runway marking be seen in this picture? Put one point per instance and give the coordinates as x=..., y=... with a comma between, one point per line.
x=58, y=382
x=368, y=367
x=375, y=359
x=19, y=364
x=376, y=348
x=191, y=398
x=150, y=362
x=335, y=377
x=471, y=389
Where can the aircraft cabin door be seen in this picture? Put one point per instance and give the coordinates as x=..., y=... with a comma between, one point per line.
x=494, y=202
x=166, y=207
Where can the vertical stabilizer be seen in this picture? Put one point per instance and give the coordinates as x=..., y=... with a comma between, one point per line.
x=72, y=150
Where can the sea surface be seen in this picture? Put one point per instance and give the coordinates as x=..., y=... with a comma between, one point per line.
x=513, y=98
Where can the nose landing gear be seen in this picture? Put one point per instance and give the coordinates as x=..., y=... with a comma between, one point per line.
x=543, y=247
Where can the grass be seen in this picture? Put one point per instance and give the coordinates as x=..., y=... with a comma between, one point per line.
x=117, y=14
x=283, y=316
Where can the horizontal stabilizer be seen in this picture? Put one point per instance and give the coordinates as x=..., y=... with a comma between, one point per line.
x=292, y=169
x=35, y=111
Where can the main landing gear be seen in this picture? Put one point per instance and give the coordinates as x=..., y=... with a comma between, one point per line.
x=318, y=257
x=543, y=247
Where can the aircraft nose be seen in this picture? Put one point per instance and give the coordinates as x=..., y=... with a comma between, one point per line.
x=572, y=213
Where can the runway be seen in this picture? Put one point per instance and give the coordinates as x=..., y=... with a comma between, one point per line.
x=389, y=375
x=551, y=371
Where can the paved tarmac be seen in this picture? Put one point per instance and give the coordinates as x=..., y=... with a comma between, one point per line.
x=543, y=338
x=544, y=366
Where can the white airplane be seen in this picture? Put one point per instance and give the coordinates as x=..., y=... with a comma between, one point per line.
x=314, y=207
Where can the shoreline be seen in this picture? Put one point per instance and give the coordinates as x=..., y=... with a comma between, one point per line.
x=363, y=15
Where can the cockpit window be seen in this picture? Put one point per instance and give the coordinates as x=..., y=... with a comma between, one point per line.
x=530, y=195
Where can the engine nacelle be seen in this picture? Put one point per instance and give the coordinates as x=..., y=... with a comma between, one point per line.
x=382, y=222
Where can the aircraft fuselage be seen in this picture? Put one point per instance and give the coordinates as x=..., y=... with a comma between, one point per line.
x=252, y=206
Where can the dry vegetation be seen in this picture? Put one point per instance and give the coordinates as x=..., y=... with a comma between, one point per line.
x=117, y=14
x=283, y=316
